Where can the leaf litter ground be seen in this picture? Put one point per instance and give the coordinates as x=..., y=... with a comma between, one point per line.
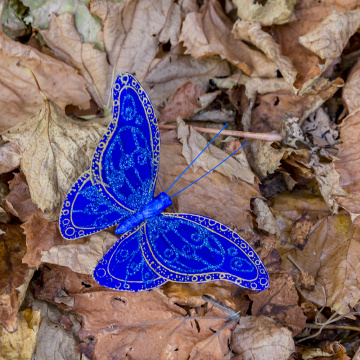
x=277, y=66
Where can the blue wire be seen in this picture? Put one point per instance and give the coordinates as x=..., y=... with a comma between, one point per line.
x=208, y=171
x=196, y=158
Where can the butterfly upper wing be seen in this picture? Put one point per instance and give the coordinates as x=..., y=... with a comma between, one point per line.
x=124, y=267
x=85, y=211
x=126, y=162
x=194, y=248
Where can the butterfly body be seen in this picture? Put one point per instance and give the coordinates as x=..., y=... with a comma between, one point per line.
x=153, y=208
x=155, y=247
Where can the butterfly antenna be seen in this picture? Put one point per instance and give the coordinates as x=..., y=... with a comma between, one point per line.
x=196, y=158
x=208, y=171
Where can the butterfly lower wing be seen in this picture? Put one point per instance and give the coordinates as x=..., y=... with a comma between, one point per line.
x=85, y=211
x=124, y=267
x=126, y=162
x=194, y=248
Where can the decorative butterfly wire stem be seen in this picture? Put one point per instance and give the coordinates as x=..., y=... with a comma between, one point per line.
x=196, y=157
x=209, y=171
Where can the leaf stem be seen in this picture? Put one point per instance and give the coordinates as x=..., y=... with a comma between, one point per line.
x=242, y=134
x=18, y=64
x=344, y=327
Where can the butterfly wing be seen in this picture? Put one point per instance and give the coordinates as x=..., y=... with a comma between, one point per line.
x=126, y=162
x=194, y=248
x=85, y=211
x=124, y=267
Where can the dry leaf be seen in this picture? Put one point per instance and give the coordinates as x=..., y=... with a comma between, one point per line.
x=66, y=42
x=301, y=229
x=280, y=301
x=194, y=143
x=329, y=184
x=260, y=338
x=20, y=345
x=327, y=351
x=9, y=157
x=55, y=341
x=251, y=32
x=209, y=33
x=18, y=201
x=347, y=166
x=351, y=92
x=329, y=37
x=289, y=207
x=309, y=15
x=331, y=256
x=264, y=217
x=55, y=150
x=20, y=97
x=271, y=13
x=81, y=258
x=216, y=196
x=175, y=69
x=271, y=108
x=14, y=274
x=142, y=325
x=184, y=102
x=40, y=236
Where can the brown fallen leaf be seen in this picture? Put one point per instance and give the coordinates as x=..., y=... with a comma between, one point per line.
x=252, y=32
x=331, y=256
x=329, y=38
x=20, y=345
x=280, y=301
x=215, y=195
x=175, y=69
x=209, y=33
x=309, y=15
x=66, y=42
x=289, y=207
x=182, y=103
x=351, y=91
x=191, y=294
x=142, y=325
x=9, y=157
x=15, y=275
x=264, y=217
x=329, y=351
x=301, y=229
x=19, y=97
x=274, y=12
x=54, y=337
x=81, y=257
x=193, y=143
x=55, y=150
x=18, y=201
x=260, y=338
x=271, y=108
x=347, y=166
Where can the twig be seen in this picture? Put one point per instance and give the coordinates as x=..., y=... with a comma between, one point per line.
x=315, y=326
x=242, y=134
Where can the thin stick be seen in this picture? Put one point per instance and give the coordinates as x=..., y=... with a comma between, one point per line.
x=314, y=326
x=242, y=134
x=18, y=64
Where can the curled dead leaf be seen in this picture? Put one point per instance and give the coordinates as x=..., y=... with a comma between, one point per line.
x=21, y=344
x=252, y=32
x=55, y=150
x=260, y=338
x=269, y=13
x=329, y=37
x=280, y=301
x=331, y=256
x=19, y=97
x=347, y=166
x=209, y=33
x=351, y=92
x=15, y=276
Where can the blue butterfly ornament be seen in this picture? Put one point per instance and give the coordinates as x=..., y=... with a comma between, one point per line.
x=155, y=246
